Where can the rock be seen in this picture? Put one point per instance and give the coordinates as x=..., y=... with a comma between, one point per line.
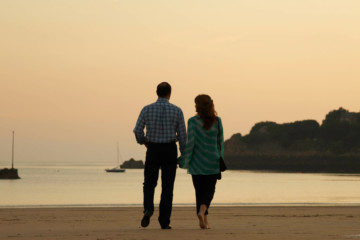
x=133, y=164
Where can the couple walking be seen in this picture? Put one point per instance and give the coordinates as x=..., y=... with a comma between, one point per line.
x=200, y=151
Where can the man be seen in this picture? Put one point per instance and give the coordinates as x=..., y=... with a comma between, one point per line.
x=165, y=126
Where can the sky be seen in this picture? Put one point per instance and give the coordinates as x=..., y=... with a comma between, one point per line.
x=75, y=74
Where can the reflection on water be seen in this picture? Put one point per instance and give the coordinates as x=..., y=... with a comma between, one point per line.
x=91, y=185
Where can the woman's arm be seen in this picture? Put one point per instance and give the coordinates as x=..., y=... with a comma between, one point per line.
x=186, y=155
x=221, y=138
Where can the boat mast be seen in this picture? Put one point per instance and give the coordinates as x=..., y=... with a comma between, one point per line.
x=118, y=153
x=12, y=157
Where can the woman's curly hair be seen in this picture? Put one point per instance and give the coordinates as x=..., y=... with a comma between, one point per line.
x=205, y=108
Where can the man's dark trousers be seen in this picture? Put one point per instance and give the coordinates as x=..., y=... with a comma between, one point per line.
x=164, y=156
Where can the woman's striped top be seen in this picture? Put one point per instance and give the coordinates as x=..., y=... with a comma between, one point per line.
x=202, y=151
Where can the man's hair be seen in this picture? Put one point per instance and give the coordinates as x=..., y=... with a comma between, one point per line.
x=163, y=89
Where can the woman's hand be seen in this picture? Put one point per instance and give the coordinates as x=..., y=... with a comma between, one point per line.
x=179, y=162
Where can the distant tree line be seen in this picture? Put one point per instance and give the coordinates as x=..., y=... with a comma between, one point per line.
x=306, y=146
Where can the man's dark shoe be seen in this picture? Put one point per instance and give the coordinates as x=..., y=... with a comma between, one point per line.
x=146, y=218
x=166, y=227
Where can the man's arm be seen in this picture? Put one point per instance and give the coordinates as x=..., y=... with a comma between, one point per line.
x=139, y=128
x=181, y=131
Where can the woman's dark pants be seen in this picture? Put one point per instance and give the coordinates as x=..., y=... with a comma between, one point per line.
x=204, y=190
x=160, y=156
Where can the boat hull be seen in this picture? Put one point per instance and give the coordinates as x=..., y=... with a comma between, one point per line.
x=9, y=173
x=115, y=170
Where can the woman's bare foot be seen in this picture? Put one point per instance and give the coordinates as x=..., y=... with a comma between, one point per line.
x=201, y=216
x=206, y=222
x=202, y=221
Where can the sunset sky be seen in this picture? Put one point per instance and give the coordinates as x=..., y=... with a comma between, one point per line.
x=75, y=74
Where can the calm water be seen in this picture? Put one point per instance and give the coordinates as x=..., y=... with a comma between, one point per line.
x=91, y=185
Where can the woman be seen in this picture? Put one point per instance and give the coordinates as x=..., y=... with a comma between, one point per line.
x=202, y=153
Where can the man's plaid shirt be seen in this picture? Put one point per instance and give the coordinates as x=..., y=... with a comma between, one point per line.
x=164, y=123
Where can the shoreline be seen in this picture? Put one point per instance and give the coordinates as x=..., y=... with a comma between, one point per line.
x=247, y=222
x=189, y=205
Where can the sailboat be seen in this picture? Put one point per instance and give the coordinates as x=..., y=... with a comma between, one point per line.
x=11, y=173
x=117, y=168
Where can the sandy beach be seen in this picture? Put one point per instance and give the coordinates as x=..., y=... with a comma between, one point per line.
x=304, y=222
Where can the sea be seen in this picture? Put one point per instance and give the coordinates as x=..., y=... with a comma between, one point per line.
x=71, y=185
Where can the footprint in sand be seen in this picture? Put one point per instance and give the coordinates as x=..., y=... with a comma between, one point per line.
x=354, y=236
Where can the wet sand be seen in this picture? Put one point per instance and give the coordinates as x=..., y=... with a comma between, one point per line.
x=304, y=222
